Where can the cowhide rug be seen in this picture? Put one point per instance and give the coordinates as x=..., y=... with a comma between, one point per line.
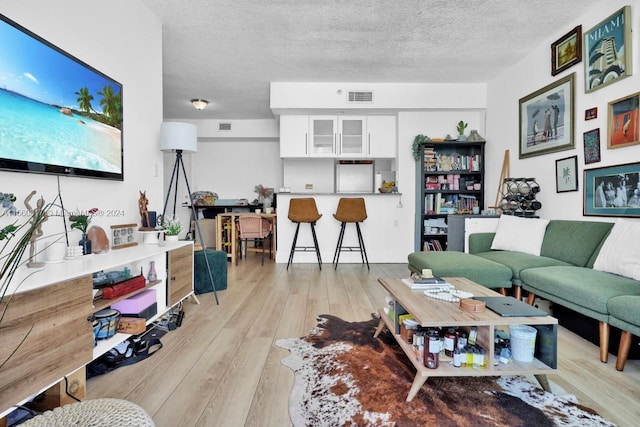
x=344, y=376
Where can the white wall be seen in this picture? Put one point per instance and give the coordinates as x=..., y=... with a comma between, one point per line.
x=533, y=73
x=132, y=55
x=233, y=168
x=295, y=96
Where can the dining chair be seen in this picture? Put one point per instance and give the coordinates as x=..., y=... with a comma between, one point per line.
x=257, y=228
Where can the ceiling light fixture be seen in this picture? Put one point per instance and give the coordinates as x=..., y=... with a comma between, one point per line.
x=199, y=104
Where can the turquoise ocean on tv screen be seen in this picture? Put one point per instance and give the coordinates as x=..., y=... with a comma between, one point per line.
x=36, y=132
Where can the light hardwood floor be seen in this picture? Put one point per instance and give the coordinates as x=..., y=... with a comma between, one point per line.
x=222, y=367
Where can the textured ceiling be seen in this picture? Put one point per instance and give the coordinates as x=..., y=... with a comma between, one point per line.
x=228, y=51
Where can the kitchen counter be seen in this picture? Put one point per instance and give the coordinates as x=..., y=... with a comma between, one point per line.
x=381, y=231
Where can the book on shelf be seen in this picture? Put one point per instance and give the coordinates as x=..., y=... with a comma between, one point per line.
x=413, y=284
x=432, y=245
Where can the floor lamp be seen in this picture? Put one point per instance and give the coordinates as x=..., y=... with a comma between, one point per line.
x=182, y=137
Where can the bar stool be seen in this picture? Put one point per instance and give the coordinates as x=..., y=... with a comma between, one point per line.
x=304, y=210
x=350, y=210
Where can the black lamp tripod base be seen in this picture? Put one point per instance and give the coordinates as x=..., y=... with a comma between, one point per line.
x=175, y=175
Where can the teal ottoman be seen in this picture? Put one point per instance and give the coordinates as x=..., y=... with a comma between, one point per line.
x=624, y=313
x=460, y=264
x=217, y=264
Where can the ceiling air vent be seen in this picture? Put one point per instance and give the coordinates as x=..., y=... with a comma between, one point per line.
x=224, y=126
x=362, y=96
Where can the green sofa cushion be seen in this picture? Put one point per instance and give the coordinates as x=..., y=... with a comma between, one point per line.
x=459, y=264
x=518, y=261
x=574, y=242
x=480, y=242
x=624, y=313
x=581, y=289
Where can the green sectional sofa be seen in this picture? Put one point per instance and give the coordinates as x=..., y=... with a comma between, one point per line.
x=562, y=273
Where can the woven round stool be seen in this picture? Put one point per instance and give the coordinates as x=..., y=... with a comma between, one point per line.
x=94, y=413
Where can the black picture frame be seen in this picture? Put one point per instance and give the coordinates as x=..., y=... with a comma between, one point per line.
x=591, y=142
x=566, y=51
x=567, y=174
x=604, y=196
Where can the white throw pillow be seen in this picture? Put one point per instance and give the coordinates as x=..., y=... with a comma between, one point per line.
x=520, y=234
x=620, y=253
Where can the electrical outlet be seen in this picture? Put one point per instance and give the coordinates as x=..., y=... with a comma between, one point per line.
x=308, y=186
x=396, y=223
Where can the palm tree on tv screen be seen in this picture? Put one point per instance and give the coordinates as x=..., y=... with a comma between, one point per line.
x=84, y=99
x=111, y=105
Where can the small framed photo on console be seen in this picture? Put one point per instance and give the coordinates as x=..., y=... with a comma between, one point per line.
x=123, y=236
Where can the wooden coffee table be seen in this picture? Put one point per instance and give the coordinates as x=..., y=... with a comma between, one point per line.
x=429, y=312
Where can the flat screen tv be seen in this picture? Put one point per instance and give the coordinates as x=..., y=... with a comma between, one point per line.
x=58, y=115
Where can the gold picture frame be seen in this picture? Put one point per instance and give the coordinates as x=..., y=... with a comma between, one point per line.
x=623, y=123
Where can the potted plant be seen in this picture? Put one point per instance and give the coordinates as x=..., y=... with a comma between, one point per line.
x=264, y=195
x=172, y=228
x=81, y=222
x=461, y=127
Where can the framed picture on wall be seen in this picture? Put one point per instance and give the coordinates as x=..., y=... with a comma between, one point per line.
x=566, y=51
x=623, y=122
x=591, y=140
x=591, y=113
x=567, y=174
x=612, y=191
x=546, y=119
x=610, y=38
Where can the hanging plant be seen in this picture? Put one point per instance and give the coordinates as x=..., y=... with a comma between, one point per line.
x=415, y=148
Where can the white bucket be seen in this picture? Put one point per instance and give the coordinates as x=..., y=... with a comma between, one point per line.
x=523, y=342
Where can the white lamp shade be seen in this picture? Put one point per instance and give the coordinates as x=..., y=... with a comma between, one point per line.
x=178, y=136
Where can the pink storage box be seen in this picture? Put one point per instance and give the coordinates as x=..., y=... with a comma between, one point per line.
x=136, y=303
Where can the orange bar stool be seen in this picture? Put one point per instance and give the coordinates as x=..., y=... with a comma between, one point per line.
x=304, y=210
x=350, y=210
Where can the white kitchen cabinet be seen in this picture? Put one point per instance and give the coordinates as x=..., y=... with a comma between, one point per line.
x=351, y=136
x=323, y=131
x=294, y=136
x=337, y=136
x=381, y=137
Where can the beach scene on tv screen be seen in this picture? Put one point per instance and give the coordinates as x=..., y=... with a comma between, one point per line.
x=55, y=110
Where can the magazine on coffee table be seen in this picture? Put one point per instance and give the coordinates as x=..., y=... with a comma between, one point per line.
x=430, y=283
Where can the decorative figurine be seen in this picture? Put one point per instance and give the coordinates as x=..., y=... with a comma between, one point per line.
x=37, y=232
x=143, y=205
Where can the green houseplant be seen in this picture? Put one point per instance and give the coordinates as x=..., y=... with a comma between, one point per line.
x=81, y=222
x=461, y=127
x=415, y=147
x=171, y=225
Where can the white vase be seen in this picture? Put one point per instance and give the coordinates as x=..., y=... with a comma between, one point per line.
x=172, y=238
